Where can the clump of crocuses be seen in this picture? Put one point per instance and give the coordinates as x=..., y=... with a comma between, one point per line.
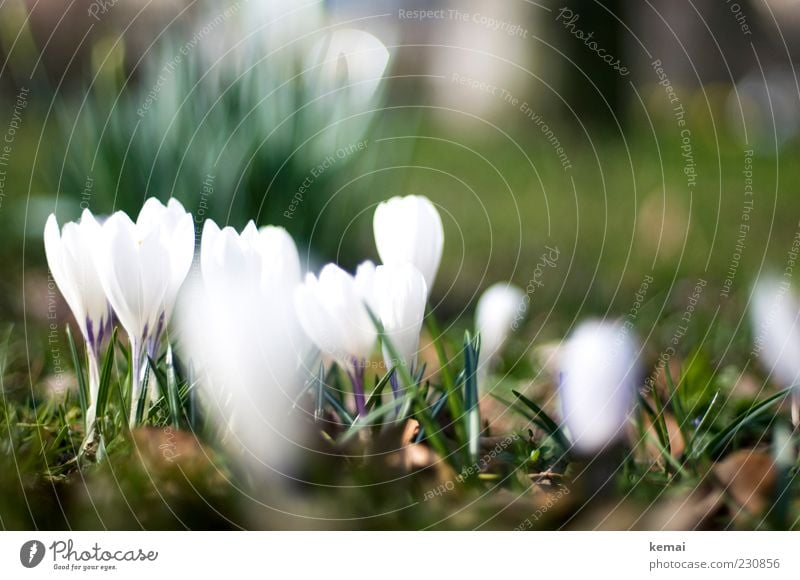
x=133, y=268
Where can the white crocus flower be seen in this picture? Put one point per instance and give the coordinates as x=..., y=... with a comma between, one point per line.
x=136, y=263
x=500, y=310
x=69, y=256
x=279, y=257
x=408, y=230
x=178, y=227
x=400, y=295
x=598, y=384
x=350, y=60
x=238, y=326
x=775, y=316
x=262, y=263
x=365, y=284
x=334, y=316
x=342, y=75
x=397, y=296
x=229, y=259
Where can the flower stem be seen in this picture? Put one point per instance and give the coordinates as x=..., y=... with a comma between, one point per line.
x=136, y=379
x=94, y=389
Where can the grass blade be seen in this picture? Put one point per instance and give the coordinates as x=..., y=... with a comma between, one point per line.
x=339, y=408
x=454, y=403
x=659, y=425
x=173, y=395
x=544, y=421
x=426, y=422
x=375, y=395
x=721, y=439
x=84, y=397
x=691, y=441
x=370, y=418
x=660, y=421
x=435, y=410
x=320, y=394
x=472, y=415
x=681, y=416
x=145, y=396
x=105, y=377
x=436, y=337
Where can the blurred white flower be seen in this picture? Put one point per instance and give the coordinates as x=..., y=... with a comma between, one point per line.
x=342, y=73
x=69, y=256
x=599, y=371
x=408, y=230
x=349, y=60
x=229, y=260
x=238, y=326
x=500, y=309
x=775, y=316
x=280, y=261
x=334, y=316
x=140, y=265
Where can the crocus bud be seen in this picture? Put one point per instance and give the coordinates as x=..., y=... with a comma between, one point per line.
x=400, y=295
x=333, y=314
x=69, y=256
x=140, y=265
x=177, y=227
x=775, y=316
x=408, y=230
x=500, y=310
x=598, y=384
x=350, y=60
x=342, y=75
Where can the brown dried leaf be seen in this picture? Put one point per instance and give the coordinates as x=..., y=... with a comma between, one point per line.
x=748, y=476
x=166, y=448
x=687, y=511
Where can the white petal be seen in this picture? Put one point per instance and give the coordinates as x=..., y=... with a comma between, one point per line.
x=333, y=315
x=598, y=383
x=500, y=309
x=775, y=315
x=401, y=294
x=409, y=230
x=181, y=248
x=280, y=259
x=150, y=216
x=350, y=58
x=365, y=284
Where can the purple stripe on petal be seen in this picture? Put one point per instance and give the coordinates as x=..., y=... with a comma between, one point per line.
x=357, y=378
x=90, y=333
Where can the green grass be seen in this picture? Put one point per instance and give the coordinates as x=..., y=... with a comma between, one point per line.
x=175, y=472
